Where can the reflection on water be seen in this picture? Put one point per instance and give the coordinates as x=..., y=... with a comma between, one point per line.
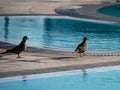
x=47, y=30
x=6, y=28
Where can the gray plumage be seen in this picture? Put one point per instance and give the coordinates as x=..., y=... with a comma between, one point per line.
x=82, y=47
x=18, y=49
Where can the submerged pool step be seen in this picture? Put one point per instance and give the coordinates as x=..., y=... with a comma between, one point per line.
x=103, y=54
x=92, y=53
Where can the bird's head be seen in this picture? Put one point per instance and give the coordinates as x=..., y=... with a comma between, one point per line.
x=25, y=38
x=85, y=38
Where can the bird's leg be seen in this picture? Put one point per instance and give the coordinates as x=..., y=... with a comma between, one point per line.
x=80, y=55
x=19, y=56
x=1, y=54
x=84, y=54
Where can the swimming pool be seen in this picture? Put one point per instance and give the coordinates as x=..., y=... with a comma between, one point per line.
x=112, y=10
x=61, y=33
x=105, y=78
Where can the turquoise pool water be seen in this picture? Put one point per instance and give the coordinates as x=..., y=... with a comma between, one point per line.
x=75, y=80
x=113, y=10
x=61, y=33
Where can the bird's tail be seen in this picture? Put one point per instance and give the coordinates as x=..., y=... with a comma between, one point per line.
x=1, y=54
x=76, y=51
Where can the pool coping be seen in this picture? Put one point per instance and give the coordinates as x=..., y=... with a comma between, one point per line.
x=58, y=69
x=82, y=71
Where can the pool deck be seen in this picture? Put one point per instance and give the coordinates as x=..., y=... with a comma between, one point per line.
x=42, y=60
x=88, y=11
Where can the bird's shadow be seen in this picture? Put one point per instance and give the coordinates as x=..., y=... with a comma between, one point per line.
x=6, y=60
x=35, y=61
x=62, y=58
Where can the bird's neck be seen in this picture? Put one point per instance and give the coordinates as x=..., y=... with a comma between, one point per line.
x=84, y=41
x=23, y=42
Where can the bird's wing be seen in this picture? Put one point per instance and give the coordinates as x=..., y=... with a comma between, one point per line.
x=16, y=49
x=80, y=46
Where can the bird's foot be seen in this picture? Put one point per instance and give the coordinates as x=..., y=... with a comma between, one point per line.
x=82, y=54
x=1, y=55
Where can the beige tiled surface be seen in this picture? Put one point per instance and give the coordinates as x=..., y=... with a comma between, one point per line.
x=39, y=6
x=39, y=61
